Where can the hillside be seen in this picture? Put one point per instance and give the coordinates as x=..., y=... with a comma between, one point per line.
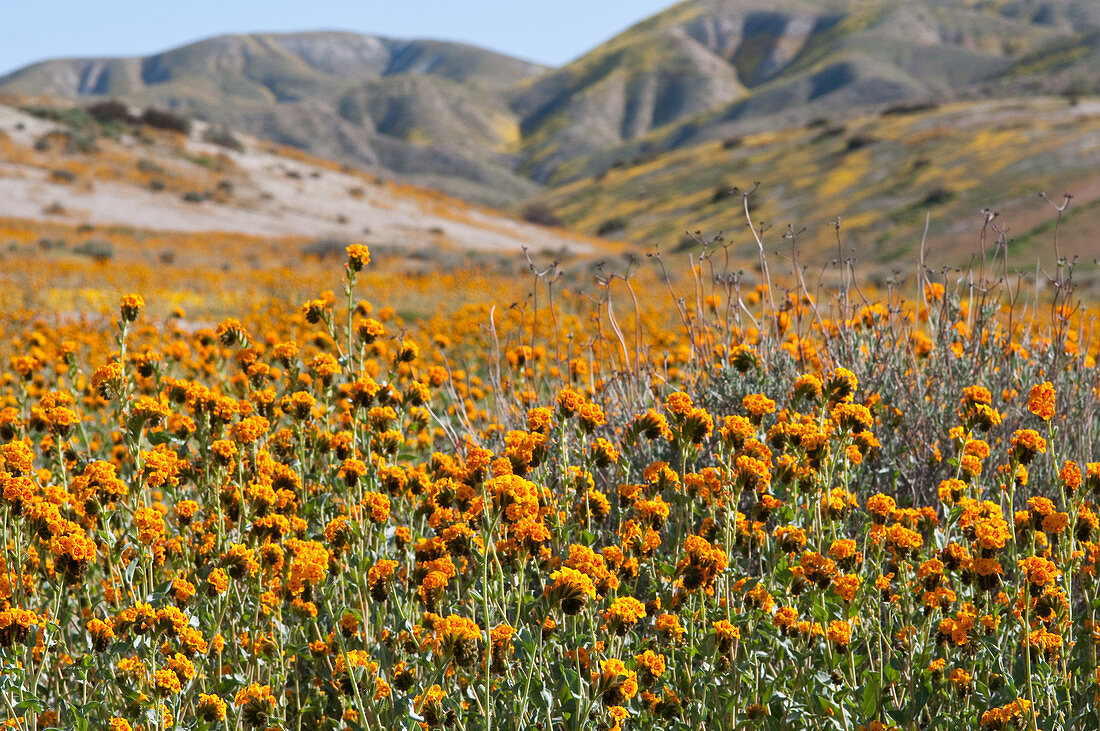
x=880, y=174
x=306, y=90
x=783, y=63
x=491, y=128
x=79, y=174
x=646, y=126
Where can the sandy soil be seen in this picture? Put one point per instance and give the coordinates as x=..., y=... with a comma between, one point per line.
x=281, y=197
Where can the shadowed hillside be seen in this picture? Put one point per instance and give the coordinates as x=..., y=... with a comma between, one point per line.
x=436, y=109
x=793, y=60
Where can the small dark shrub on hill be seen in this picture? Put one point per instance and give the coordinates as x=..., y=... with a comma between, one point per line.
x=541, y=215
x=858, y=142
x=611, y=226
x=223, y=138
x=145, y=165
x=938, y=196
x=110, y=111
x=163, y=119
x=909, y=108
x=722, y=192
x=96, y=250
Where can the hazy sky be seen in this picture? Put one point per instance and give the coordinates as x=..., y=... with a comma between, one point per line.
x=549, y=31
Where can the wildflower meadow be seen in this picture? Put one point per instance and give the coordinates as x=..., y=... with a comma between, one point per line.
x=712, y=500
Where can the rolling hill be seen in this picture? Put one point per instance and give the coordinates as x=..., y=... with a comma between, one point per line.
x=647, y=126
x=436, y=113
x=140, y=178
x=783, y=63
x=880, y=174
x=493, y=128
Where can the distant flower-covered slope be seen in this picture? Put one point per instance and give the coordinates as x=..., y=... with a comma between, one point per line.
x=61, y=167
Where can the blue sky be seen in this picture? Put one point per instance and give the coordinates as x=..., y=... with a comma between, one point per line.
x=549, y=31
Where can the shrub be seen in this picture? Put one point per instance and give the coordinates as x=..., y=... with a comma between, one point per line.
x=111, y=111
x=96, y=249
x=938, y=197
x=223, y=138
x=62, y=176
x=149, y=167
x=164, y=119
x=722, y=192
x=611, y=226
x=541, y=214
x=858, y=142
x=910, y=108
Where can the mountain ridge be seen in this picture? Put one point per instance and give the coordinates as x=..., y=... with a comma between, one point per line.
x=289, y=88
x=492, y=128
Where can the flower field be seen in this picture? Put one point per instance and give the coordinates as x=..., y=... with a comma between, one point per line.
x=678, y=502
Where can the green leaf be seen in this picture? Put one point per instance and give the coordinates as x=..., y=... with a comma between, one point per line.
x=28, y=703
x=159, y=437
x=892, y=674
x=871, y=693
